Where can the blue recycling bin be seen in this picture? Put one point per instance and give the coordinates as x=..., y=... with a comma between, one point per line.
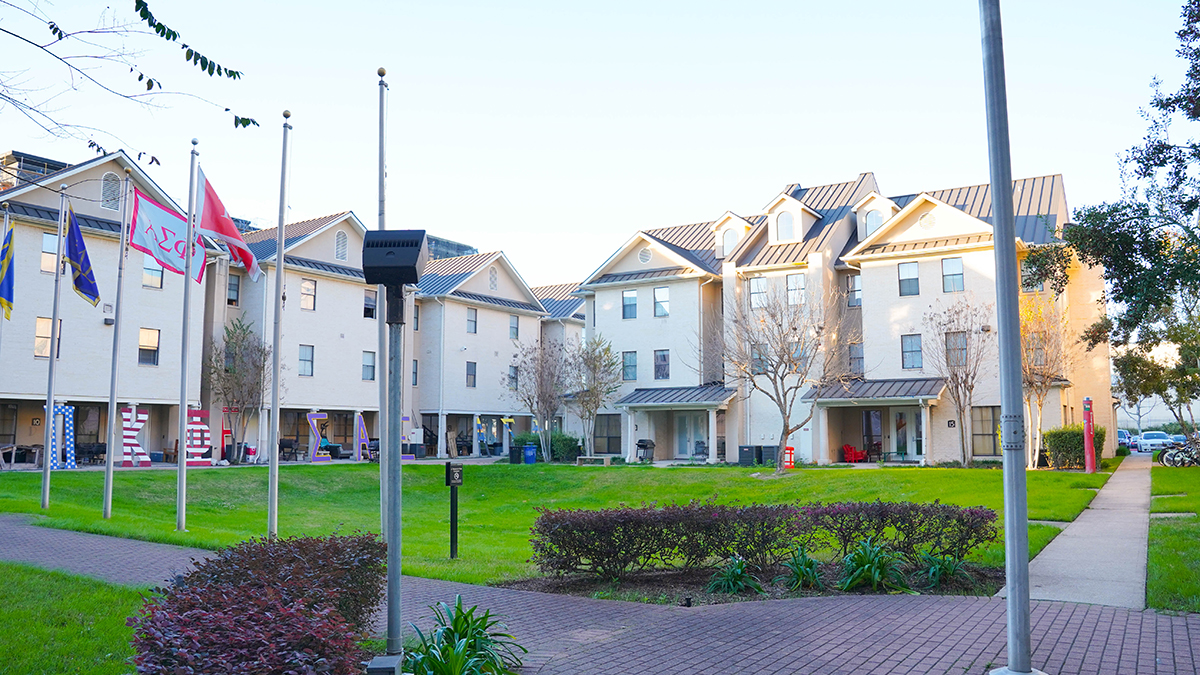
x=530, y=454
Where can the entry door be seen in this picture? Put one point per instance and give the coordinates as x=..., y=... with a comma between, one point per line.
x=907, y=433
x=689, y=428
x=873, y=433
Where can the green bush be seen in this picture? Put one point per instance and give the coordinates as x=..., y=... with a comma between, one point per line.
x=1122, y=451
x=563, y=447
x=1064, y=446
x=463, y=643
x=734, y=578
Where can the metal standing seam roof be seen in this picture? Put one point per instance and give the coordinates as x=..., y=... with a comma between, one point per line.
x=641, y=274
x=493, y=300
x=944, y=242
x=352, y=272
x=444, y=274
x=694, y=243
x=262, y=242
x=904, y=388
x=89, y=222
x=1037, y=205
x=708, y=394
x=558, y=301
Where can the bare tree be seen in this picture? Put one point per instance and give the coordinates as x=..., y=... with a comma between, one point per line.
x=1046, y=351
x=545, y=372
x=600, y=370
x=960, y=346
x=783, y=344
x=236, y=376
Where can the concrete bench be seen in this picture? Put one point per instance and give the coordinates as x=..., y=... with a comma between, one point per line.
x=581, y=459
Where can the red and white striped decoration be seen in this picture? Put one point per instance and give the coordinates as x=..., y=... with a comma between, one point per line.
x=132, y=422
x=199, y=440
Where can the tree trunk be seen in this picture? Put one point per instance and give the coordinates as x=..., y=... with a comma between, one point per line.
x=545, y=436
x=783, y=440
x=963, y=438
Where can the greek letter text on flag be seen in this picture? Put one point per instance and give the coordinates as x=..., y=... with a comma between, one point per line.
x=81, y=266
x=7, y=274
x=214, y=221
x=160, y=232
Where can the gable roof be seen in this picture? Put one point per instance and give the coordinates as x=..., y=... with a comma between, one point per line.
x=558, y=301
x=443, y=275
x=693, y=243
x=833, y=202
x=50, y=181
x=262, y=242
x=1036, y=202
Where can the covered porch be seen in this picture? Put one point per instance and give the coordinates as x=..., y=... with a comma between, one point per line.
x=684, y=422
x=876, y=420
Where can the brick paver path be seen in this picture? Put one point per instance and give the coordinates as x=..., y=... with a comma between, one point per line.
x=828, y=636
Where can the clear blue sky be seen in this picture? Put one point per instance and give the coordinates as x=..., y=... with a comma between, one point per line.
x=554, y=130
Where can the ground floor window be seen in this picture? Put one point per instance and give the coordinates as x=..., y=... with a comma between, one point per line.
x=87, y=424
x=290, y=424
x=608, y=434
x=8, y=424
x=985, y=430
x=343, y=429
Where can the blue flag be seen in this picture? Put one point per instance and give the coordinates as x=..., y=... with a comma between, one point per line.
x=6, y=275
x=81, y=267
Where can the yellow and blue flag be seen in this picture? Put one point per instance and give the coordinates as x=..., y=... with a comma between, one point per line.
x=81, y=266
x=7, y=273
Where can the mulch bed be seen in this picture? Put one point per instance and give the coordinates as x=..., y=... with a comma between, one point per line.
x=686, y=587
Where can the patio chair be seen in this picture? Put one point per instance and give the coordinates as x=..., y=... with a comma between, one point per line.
x=852, y=454
x=701, y=452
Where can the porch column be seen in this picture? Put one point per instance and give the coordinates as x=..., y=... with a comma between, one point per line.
x=712, y=436
x=631, y=445
x=441, y=435
x=504, y=435
x=924, y=433
x=474, y=435
x=821, y=449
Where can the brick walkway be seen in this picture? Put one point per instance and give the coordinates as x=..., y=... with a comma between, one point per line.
x=833, y=636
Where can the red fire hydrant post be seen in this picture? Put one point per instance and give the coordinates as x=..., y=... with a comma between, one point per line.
x=1089, y=447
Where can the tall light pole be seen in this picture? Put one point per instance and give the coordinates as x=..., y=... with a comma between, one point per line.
x=1012, y=414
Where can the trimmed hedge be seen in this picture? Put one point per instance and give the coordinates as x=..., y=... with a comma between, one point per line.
x=563, y=447
x=612, y=543
x=1064, y=446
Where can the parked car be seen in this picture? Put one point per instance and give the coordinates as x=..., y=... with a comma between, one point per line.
x=1154, y=440
x=1133, y=442
x=1123, y=438
x=1179, y=440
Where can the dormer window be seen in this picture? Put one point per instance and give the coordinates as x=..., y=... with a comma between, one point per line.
x=728, y=242
x=785, y=226
x=110, y=192
x=340, y=244
x=874, y=221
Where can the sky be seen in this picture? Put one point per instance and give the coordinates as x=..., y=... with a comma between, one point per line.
x=553, y=131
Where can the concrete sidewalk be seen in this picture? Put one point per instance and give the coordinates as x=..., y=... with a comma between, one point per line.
x=1100, y=558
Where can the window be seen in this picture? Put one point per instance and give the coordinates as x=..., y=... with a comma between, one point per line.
x=608, y=434
x=87, y=424
x=110, y=192
x=910, y=284
x=8, y=424
x=629, y=366
x=956, y=349
x=151, y=272
x=874, y=220
x=662, y=364
x=41, y=339
x=785, y=226
x=49, y=251
x=493, y=279
x=854, y=290
x=758, y=359
x=728, y=242
x=985, y=430
x=952, y=275
x=306, y=360
x=856, y=359
x=308, y=294
x=471, y=374
x=799, y=358
x=628, y=304
x=514, y=326
x=758, y=292
x=512, y=378
x=368, y=373
x=234, y=291
x=414, y=373
x=795, y=289
x=472, y=320
x=339, y=245
x=416, y=317
x=662, y=301
x=1028, y=286
x=148, y=347
x=910, y=351
x=1037, y=349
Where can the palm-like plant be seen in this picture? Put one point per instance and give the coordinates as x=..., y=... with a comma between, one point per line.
x=464, y=639
x=802, y=571
x=734, y=578
x=873, y=564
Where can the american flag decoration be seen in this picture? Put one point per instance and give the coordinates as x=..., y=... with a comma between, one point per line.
x=68, y=416
x=132, y=421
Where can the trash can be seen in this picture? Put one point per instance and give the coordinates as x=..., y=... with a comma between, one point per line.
x=746, y=455
x=530, y=454
x=514, y=454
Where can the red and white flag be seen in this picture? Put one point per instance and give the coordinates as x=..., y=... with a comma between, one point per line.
x=161, y=232
x=215, y=222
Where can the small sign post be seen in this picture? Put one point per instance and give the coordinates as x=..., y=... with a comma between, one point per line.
x=454, y=478
x=1089, y=444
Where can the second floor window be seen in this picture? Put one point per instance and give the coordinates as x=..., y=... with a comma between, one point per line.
x=795, y=289
x=369, y=302
x=512, y=378
x=416, y=317
x=1028, y=286
x=662, y=364
x=910, y=352
x=414, y=373
x=514, y=326
x=758, y=292
x=758, y=359
x=854, y=290
x=471, y=374
x=308, y=294
x=368, y=366
x=857, y=363
x=629, y=366
x=956, y=349
x=41, y=338
x=233, y=294
x=910, y=284
x=952, y=275
x=148, y=347
x=151, y=272
x=306, y=360
x=662, y=301
x=472, y=320
x=628, y=304
x=49, y=251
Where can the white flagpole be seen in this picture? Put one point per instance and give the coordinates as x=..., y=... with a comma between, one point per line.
x=273, y=448
x=181, y=451
x=113, y=413
x=381, y=358
x=54, y=336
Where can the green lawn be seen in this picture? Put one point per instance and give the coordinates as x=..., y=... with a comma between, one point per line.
x=56, y=623
x=496, y=506
x=1173, y=577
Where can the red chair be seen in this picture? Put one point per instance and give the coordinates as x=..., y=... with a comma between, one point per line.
x=853, y=454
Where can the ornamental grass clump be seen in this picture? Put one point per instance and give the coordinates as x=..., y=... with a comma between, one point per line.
x=942, y=568
x=874, y=564
x=734, y=578
x=463, y=642
x=802, y=571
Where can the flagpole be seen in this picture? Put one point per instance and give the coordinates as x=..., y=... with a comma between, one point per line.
x=181, y=450
x=380, y=308
x=113, y=412
x=54, y=336
x=273, y=448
